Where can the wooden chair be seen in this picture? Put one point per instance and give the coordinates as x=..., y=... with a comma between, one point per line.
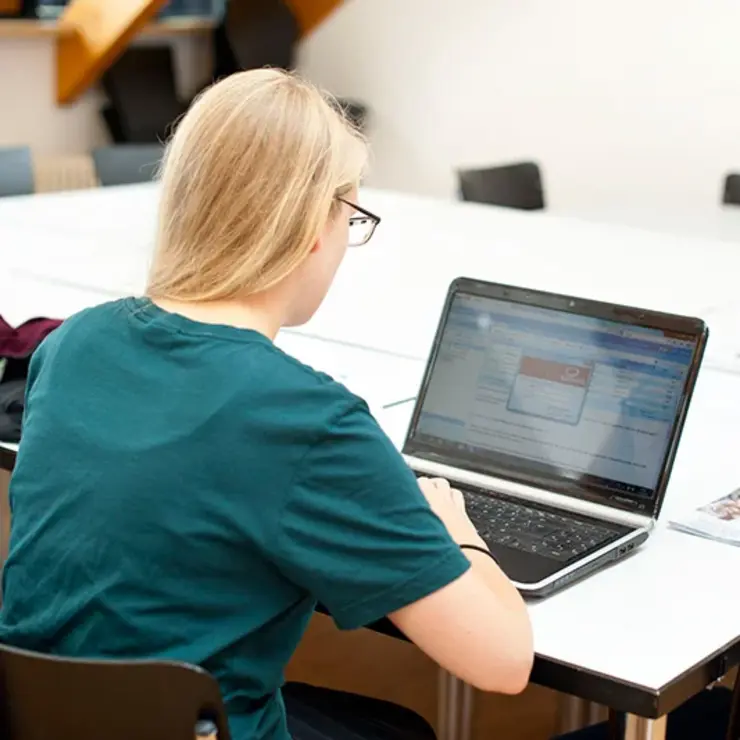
x=731, y=190
x=16, y=171
x=65, y=172
x=511, y=186
x=45, y=697
x=127, y=164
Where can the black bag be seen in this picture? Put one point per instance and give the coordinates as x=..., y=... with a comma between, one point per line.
x=12, y=396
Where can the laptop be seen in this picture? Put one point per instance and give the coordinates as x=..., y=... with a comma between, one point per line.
x=559, y=419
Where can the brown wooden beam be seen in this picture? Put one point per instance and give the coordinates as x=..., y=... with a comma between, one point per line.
x=310, y=13
x=11, y=7
x=93, y=35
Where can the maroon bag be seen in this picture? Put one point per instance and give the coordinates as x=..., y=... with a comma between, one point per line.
x=16, y=348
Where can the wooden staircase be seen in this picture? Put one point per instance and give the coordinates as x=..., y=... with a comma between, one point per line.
x=93, y=33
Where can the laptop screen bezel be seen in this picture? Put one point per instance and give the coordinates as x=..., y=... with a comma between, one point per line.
x=693, y=328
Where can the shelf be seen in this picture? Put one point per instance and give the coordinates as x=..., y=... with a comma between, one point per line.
x=12, y=28
x=23, y=28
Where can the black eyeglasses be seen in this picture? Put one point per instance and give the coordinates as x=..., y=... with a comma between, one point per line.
x=362, y=227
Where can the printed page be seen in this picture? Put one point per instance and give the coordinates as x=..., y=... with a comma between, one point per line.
x=719, y=520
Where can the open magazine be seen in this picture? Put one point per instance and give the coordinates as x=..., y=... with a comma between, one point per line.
x=719, y=520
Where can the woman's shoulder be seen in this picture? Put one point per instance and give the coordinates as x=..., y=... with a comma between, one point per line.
x=309, y=386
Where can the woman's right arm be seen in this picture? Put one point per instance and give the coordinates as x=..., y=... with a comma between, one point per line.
x=357, y=531
x=476, y=627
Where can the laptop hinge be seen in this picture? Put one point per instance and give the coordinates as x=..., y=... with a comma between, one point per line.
x=529, y=493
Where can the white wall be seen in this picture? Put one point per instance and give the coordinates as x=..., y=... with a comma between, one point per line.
x=29, y=114
x=621, y=101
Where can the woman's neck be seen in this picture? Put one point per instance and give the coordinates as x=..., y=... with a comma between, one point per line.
x=256, y=315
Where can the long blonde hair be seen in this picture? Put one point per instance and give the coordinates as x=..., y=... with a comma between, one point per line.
x=249, y=181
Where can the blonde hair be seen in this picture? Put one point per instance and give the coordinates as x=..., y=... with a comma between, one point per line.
x=249, y=181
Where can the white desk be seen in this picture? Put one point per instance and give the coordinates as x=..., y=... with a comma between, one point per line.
x=640, y=637
x=388, y=294
x=714, y=222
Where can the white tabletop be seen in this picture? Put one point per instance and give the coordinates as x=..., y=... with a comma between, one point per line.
x=644, y=621
x=716, y=222
x=388, y=294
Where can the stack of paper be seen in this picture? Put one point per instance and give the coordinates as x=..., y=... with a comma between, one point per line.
x=719, y=520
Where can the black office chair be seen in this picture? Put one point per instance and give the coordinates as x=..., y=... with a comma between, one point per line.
x=255, y=34
x=355, y=111
x=113, y=124
x=127, y=164
x=49, y=697
x=512, y=186
x=731, y=190
x=16, y=171
x=142, y=95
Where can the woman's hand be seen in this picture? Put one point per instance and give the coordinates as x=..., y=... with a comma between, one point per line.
x=449, y=505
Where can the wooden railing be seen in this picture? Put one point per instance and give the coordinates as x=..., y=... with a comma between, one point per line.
x=91, y=34
x=10, y=6
x=310, y=13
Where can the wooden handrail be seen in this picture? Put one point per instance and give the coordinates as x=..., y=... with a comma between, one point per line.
x=94, y=33
x=310, y=13
x=10, y=6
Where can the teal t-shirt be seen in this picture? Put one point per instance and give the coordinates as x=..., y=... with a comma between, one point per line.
x=188, y=491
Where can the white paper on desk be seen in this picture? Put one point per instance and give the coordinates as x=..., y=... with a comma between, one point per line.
x=719, y=520
x=380, y=378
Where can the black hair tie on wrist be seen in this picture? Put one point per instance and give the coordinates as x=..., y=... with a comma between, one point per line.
x=478, y=548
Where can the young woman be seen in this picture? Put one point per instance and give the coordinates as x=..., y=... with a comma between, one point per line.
x=185, y=490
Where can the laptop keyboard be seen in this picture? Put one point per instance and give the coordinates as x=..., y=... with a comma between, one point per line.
x=540, y=531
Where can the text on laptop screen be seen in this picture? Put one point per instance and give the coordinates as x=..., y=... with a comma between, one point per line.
x=540, y=390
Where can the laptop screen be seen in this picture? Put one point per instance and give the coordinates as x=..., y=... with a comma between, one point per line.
x=554, y=394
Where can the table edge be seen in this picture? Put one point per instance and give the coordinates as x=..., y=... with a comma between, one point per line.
x=624, y=696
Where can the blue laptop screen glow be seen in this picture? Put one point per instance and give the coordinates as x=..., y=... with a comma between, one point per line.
x=573, y=395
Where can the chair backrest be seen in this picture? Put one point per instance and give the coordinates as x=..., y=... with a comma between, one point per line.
x=511, y=186
x=355, y=111
x=44, y=697
x=127, y=164
x=16, y=171
x=142, y=91
x=731, y=190
x=261, y=33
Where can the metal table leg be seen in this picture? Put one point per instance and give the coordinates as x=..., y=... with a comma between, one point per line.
x=575, y=713
x=455, y=708
x=639, y=728
x=448, y=706
x=466, y=712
